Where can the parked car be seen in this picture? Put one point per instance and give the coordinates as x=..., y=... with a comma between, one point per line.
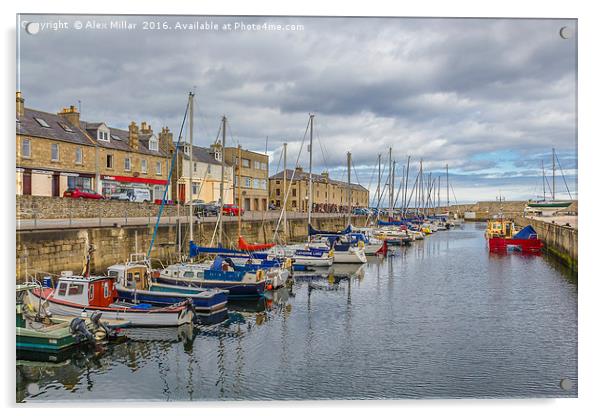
x=133, y=195
x=81, y=193
x=206, y=209
x=232, y=210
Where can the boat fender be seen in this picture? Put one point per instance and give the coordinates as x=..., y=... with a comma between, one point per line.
x=288, y=263
x=259, y=275
x=361, y=244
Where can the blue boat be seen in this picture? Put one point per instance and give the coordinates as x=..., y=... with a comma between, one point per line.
x=133, y=284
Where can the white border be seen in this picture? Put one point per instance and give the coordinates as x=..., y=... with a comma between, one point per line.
x=589, y=156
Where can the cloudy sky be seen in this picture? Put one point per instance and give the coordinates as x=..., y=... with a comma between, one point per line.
x=488, y=97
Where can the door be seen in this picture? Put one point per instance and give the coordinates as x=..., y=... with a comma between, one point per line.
x=181, y=192
x=55, y=184
x=26, y=183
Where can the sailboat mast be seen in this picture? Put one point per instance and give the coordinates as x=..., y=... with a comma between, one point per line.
x=553, y=174
x=310, y=188
x=221, y=183
x=191, y=125
x=378, y=190
x=348, y=188
x=392, y=205
x=439, y=193
x=447, y=183
x=239, y=188
x=285, y=193
x=405, y=190
x=390, y=182
x=543, y=180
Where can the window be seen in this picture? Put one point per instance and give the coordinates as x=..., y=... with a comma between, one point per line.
x=26, y=148
x=256, y=184
x=195, y=189
x=76, y=289
x=208, y=169
x=194, y=167
x=188, y=274
x=106, y=289
x=62, y=289
x=257, y=164
x=110, y=161
x=246, y=163
x=91, y=292
x=41, y=122
x=248, y=182
x=103, y=135
x=79, y=156
x=54, y=152
x=79, y=182
x=294, y=204
x=158, y=168
x=143, y=165
x=115, y=137
x=264, y=166
x=277, y=191
x=294, y=192
x=153, y=145
x=66, y=127
x=186, y=149
x=127, y=163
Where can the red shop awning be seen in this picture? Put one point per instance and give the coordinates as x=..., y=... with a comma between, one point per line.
x=132, y=179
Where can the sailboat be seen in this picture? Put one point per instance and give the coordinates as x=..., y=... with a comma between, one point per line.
x=548, y=205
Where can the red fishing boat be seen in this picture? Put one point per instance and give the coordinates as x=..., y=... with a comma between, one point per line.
x=501, y=237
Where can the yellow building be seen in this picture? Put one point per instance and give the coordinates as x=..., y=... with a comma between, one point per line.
x=253, y=187
x=205, y=170
x=328, y=195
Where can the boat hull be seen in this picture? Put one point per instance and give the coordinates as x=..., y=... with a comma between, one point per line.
x=498, y=244
x=350, y=257
x=235, y=290
x=163, y=317
x=203, y=301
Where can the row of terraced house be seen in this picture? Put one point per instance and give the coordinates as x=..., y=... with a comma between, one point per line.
x=58, y=151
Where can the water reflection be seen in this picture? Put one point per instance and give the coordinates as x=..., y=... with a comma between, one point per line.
x=440, y=318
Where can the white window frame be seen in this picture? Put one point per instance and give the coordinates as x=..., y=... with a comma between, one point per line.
x=28, y=154
x=127, y=164
x=58, y=153
x=112, y=161
x=159, y=168
x=153, y=145
x=143, y=166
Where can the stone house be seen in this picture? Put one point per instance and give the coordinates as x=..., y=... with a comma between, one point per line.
x=252, y=169
x=328, y=195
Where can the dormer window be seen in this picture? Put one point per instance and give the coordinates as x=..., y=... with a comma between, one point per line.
x=218, y=155
x=186, y=149
x=103, y=135
x=153, y=144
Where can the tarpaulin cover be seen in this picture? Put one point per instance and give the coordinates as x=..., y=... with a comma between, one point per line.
x=526, y=233
x=312, y=231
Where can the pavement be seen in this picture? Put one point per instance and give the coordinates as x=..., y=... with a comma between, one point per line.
x=559, y=220
x=67, y=223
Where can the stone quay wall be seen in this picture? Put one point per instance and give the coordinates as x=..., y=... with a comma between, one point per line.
x=48, y=252
x=560, y=241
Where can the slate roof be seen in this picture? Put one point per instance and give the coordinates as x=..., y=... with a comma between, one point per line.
x=124, y=142
x=27, y=125
x=202, y=154
x=315, y=178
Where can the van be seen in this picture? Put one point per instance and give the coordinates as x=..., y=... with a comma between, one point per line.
x=133, y=195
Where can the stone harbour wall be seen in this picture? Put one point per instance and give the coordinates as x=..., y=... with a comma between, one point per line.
x=43, y=252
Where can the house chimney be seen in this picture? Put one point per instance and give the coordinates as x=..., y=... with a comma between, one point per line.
x=324, y=175
x=133, y=135
x=20, y=105
x=145, y=128
x=71, y=115
x=298, y=169
x=166, y=140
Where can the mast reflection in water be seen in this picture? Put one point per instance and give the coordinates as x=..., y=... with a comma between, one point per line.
x=441, y=318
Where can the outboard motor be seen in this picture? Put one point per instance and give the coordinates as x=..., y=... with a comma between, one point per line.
x=190, y=307
x=101, y=330
x=80, y=331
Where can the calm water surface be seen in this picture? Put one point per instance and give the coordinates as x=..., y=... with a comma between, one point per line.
x=442, y=318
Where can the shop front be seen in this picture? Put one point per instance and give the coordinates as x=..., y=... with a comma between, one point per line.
x=116, y=184
x=41, y=182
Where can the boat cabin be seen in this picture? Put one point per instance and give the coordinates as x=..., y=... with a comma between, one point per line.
x=87, y=291
x=500, y=228
x=131, y=276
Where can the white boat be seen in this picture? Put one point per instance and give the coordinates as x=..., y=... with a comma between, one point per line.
x=82, y=296
x=303, y=255
x=343, y=252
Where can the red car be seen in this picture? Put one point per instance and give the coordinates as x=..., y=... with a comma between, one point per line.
x=232, y=210
x=81, y=193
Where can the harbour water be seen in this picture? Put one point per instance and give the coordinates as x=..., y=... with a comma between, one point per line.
x=442, y=318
